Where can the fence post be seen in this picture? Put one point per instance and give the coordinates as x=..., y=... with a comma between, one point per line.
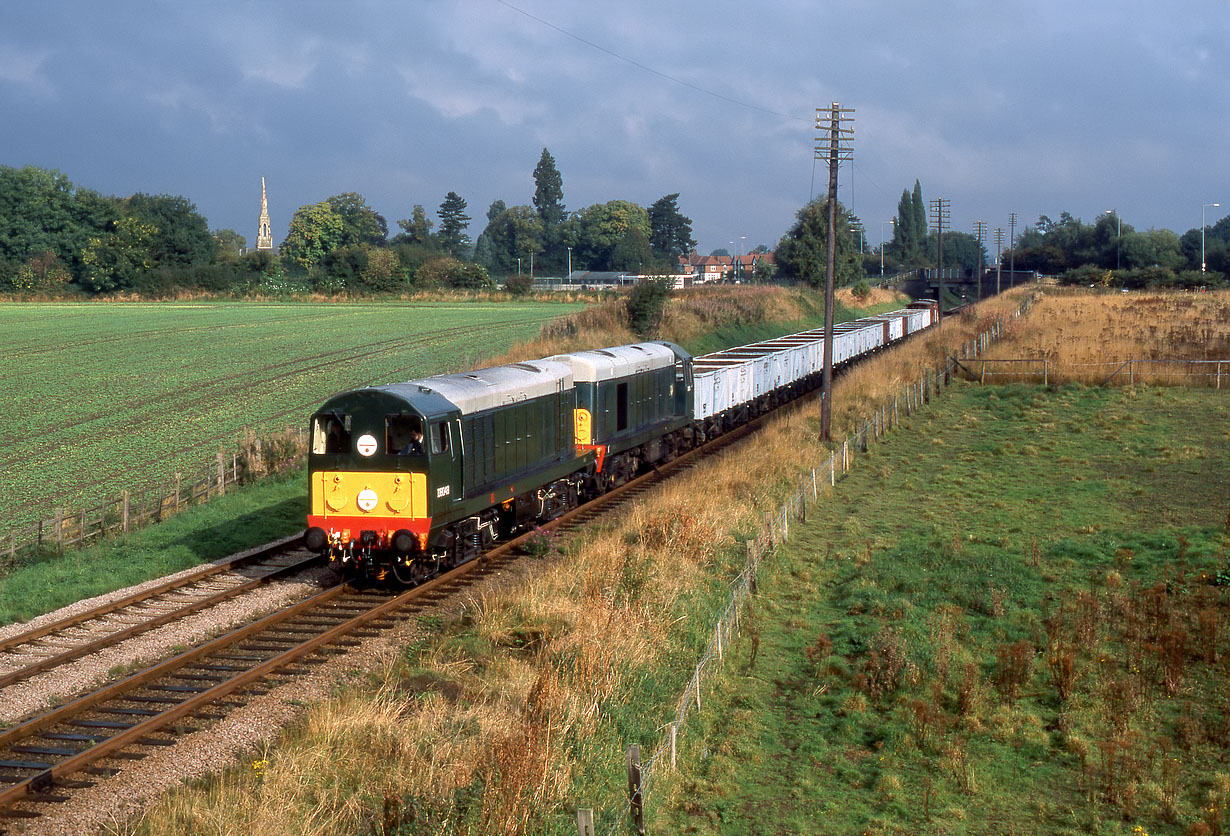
x=126, y=510
x=719, y=639
x=1045, y=372
x=1131, y=372
x=674, y=735
x=634, y=789
x=221, y=473
x=833, y=468
x=1219, y=374
x=60, y=527
x=585, y=822
x=815, y=494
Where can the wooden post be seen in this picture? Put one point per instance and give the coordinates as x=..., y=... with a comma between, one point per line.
x=833, y=468
x=59, y=526
x=1045, y=372
x=636, y=803
x=674, y=736
x=221, y=473
x=1219, y=374
x=719, y=640
x=815, y=492
x=126, y=510
x=585, y=822
x=1131, y=372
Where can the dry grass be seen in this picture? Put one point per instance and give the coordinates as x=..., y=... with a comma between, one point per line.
x=1085, y=337
x=485, y=730
x=688, y=314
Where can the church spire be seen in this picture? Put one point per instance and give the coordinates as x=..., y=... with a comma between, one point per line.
x=264, y=235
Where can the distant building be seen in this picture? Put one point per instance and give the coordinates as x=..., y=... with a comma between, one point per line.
x=264, y=235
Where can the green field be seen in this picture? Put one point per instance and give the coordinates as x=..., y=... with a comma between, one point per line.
x=106, y=397
x=1012, y=617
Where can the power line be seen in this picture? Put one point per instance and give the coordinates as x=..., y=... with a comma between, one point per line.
x=647, y=68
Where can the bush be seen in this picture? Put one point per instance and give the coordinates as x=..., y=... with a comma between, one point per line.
x=449, y=272
x=645, y=303
x=1087, y=275
x=518, y=285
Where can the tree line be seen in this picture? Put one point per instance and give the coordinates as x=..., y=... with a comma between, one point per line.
x=54, y=234
x=1107, y=252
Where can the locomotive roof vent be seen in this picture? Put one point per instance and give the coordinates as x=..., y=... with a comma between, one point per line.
x=527, y=367
x=603, y=351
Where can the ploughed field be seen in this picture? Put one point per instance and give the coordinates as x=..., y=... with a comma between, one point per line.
x=103, y=398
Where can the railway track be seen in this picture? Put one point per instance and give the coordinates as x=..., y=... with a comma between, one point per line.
x=66, y=640
x=44, y=758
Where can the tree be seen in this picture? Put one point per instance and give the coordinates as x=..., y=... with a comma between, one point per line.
x=360, y=223
x=920, y=213
x=961, y=251
x=632, y=252
x=549, y=204
x=802, y=253
x=604, y=225
x=43, y=272
x=181, y=238
x=315, y=231
x=231, y=245
x=670, y=231
x=765, y=271
x=42, y=211
x=416, y=230
x=453, y=223
x=514, y=234
x=548, y=192
x=114, y=261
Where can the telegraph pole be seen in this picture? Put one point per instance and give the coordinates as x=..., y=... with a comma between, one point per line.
x=999, y=243
x=839, y=148
x=941, y=212
x=980, y=232
x=1012, y=245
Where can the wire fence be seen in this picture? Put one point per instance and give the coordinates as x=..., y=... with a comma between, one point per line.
x=64, y=528
x=642, y=776
x=1212, y=374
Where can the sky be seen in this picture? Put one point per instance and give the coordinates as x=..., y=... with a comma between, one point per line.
x=1002, y=107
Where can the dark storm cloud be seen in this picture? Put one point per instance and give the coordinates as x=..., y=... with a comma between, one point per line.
x=1026, y=107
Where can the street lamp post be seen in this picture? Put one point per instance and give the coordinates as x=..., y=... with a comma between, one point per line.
x=1118, y=233
x=1202, y=208
x=893, y=221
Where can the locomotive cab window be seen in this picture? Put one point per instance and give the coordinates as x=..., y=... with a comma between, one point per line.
x=439, y=437
x=331, y=433
x=403, y=435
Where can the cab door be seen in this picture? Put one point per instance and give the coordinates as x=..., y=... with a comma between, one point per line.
x=444, y=444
